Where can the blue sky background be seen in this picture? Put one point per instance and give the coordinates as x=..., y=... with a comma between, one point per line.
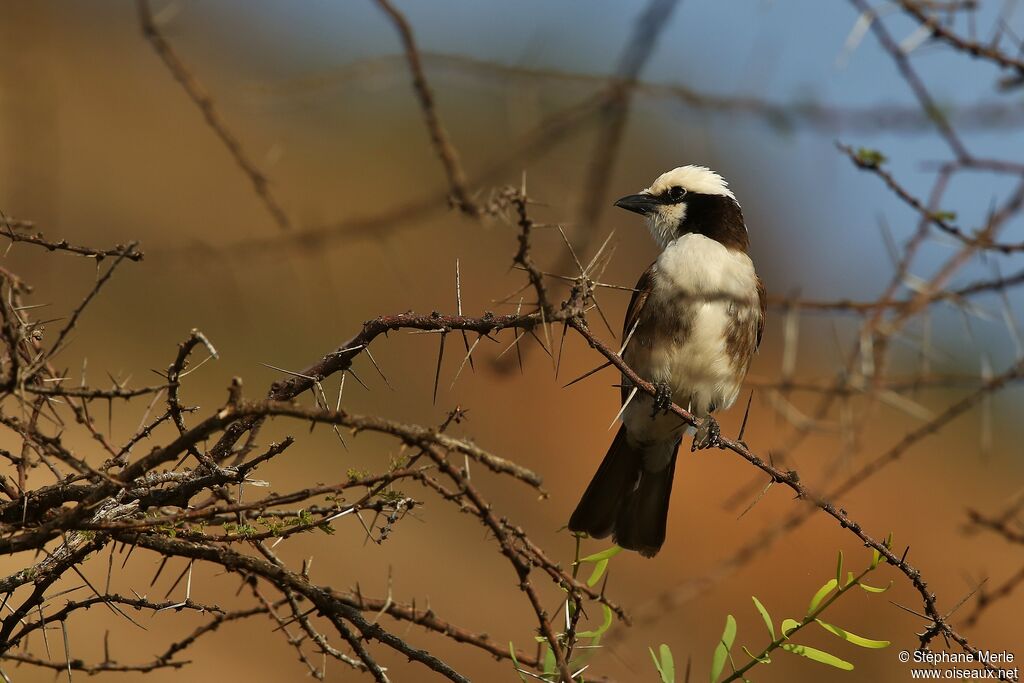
x=100, y=145
x=779, y=51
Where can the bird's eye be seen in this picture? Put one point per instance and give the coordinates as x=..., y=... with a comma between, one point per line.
x=676, y=193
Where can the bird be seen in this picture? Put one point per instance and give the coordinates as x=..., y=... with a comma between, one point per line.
x=692, y=328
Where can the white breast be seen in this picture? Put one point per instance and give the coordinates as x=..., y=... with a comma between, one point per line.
x=700, y=281
x=701, y=266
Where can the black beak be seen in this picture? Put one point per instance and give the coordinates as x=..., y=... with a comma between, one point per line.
x=638, y=203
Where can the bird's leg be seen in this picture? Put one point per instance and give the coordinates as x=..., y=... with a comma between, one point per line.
x=707, y=434
x=662, y=398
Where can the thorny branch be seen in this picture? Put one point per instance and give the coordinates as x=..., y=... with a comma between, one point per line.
x=133, y=500
x=438, y=136
x=211, y=114
x=886, y=319
x=142, y=485
x=974, y=48
x=181, y=500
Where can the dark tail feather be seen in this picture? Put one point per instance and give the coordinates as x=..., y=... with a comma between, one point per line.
x=615, y=479
x=625, y=499
x=643, y=516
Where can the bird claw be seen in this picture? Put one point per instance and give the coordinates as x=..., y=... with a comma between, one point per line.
x=708, y=435
x=662, y=398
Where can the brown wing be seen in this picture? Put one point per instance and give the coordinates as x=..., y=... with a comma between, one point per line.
x=762, y=296
x=636, y=304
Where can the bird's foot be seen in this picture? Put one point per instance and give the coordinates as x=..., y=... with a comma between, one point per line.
x=708, y=434
x=662, y=399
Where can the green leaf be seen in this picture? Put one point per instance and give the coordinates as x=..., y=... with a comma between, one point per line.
x=657, y=664
x=764, y=615
x=549, y=660
x=817, y=656
x=600, y=630
x=760, y=660
x=820, y=595
x=789, y=625
x=874, y=589
x=598, y=572
x=839, y=568
x=876, y=556
x=668, y=664
x=853, y=637
x=512, y=651
x=603, y=555
x=723, y=647
x=871, y=158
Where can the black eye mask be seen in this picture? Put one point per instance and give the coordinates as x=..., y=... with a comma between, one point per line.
x=674, y=194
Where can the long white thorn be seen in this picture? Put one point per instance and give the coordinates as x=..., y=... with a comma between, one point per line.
x=623, y=408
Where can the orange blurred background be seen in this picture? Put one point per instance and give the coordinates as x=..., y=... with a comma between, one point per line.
x=99, y=145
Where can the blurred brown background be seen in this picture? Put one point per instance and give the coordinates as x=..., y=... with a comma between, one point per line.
x=99, y=145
